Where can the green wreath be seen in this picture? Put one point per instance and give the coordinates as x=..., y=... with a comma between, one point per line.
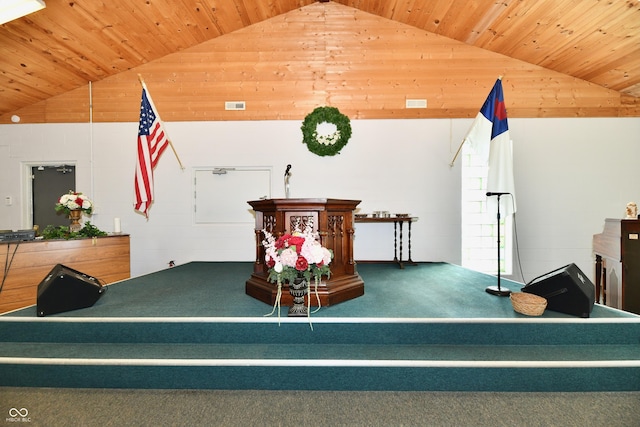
x=328, y=145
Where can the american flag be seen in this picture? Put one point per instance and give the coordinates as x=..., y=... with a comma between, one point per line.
x=152, y=141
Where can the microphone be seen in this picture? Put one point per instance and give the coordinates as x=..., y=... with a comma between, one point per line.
x=490, y=193
x=286, y=181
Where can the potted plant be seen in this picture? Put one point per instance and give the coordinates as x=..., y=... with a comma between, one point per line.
x=73, y=204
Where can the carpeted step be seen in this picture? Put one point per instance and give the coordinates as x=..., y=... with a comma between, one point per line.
x=418, y=355
x=274, y=367
x=257, y=354
x=322, y=331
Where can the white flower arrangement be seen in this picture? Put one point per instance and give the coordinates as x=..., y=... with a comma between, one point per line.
x=73, y=201
x=296, y=255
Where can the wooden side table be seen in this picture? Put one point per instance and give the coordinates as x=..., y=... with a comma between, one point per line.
x=398, y=223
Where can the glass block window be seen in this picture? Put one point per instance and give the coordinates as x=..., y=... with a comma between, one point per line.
x=479, y=227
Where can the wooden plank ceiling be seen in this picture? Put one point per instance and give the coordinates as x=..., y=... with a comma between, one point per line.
x=69, y=44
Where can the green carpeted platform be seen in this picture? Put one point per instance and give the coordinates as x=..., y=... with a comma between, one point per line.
x=208, y=289
x=426, y=327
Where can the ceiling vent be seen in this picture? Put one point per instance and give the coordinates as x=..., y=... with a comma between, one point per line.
x=416, y=103
x=235, y=105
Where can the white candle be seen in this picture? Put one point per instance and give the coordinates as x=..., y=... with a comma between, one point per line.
x=116, y=225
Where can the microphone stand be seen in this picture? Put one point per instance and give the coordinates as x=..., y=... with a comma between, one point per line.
x=497, y=290
x=286, y=184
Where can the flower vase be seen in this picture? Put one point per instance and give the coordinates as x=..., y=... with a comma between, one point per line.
x=75, y=216
x=298, y=289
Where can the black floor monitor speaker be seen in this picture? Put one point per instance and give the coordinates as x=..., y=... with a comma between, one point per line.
x=566, y=289
x=66, y=289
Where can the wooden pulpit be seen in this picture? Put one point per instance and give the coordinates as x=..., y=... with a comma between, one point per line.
x=333, y=220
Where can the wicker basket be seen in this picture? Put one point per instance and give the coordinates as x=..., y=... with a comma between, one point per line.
x=529, y=304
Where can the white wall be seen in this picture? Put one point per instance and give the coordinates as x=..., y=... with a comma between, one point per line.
x=570, y=175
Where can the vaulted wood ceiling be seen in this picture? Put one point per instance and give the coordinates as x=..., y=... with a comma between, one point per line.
x=71, y=43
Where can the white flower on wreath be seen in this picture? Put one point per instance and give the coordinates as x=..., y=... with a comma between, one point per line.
x=326, y=133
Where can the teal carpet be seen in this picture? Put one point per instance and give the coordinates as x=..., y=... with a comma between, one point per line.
x=209, y=289
x=430, y=327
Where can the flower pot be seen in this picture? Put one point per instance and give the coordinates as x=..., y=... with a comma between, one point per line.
x=298, y=289
x=74, y=217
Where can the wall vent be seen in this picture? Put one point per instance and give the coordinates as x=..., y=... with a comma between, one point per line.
x=235, y=105
x=416, y=103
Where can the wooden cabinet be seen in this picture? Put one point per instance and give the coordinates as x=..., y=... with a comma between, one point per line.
x=617, y=251
x=26, y=264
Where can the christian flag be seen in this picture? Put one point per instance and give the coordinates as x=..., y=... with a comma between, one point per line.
x=489, y=138
x=152, y=141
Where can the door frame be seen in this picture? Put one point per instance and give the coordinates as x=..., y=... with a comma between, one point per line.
x=27, y=187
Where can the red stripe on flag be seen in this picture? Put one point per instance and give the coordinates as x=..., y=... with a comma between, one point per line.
x=152, y=141
x=159, y=143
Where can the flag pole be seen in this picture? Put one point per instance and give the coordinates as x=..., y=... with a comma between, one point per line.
x=462, y=143
x=457, y=153
x=144, y=86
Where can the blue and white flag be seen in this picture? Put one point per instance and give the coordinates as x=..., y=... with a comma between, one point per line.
x=489, y=138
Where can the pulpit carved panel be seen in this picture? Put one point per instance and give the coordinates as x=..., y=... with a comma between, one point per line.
x=269, y=223
x=300, y=220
